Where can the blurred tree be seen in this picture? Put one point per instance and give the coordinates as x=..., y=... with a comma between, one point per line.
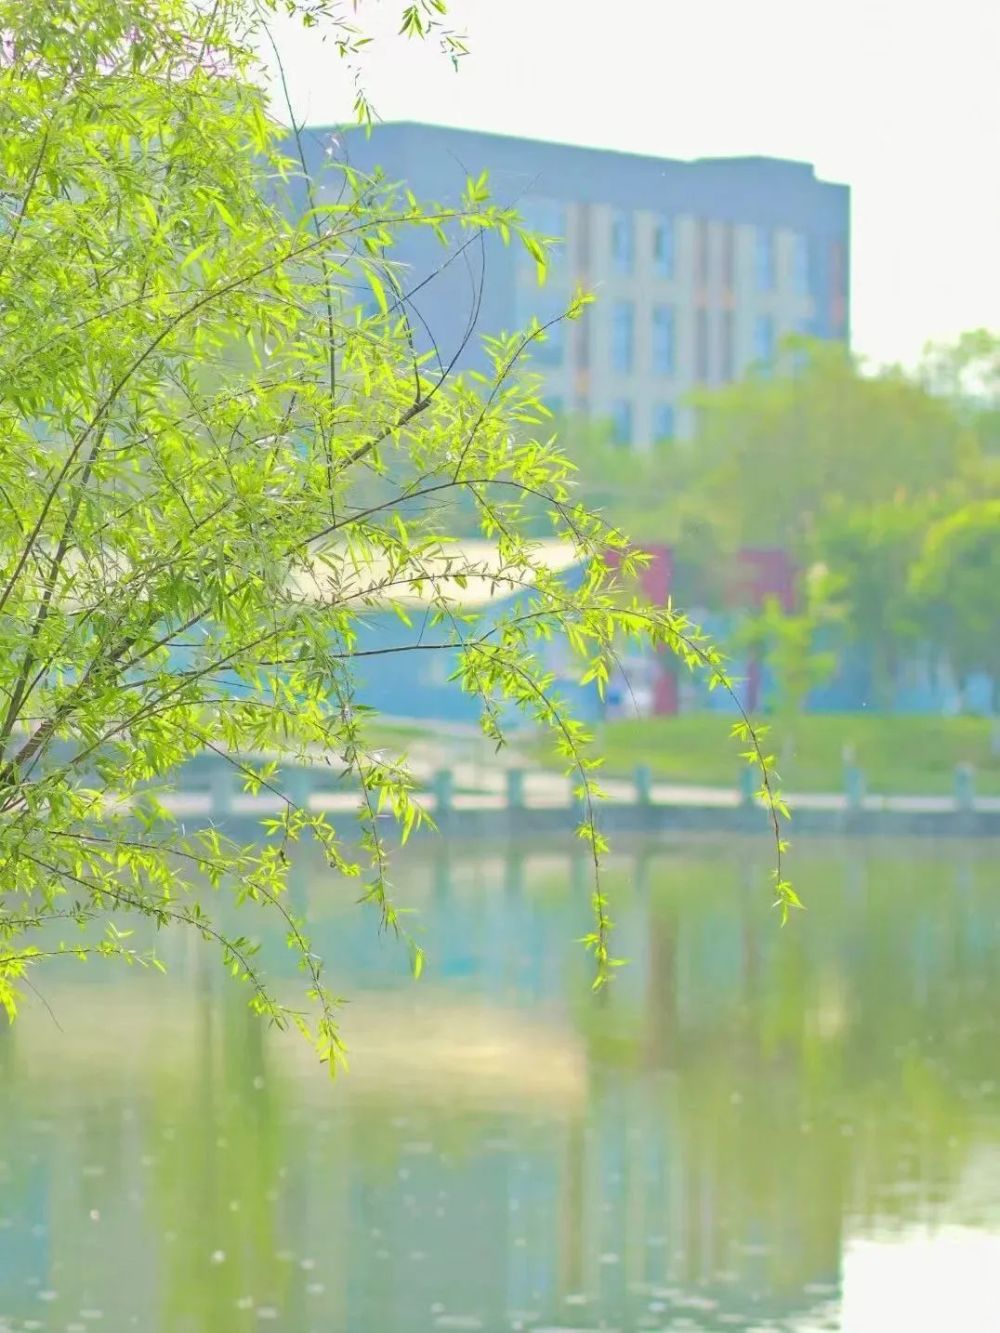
x=966, y=372
x=790, y=644
x=775, y=451
x=956, y=581
x=870, y=551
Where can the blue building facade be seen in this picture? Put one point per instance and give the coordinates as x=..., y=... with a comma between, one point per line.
x=701, y=267
x=398, y=676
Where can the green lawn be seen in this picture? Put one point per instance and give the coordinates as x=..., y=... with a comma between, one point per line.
x=903, y=755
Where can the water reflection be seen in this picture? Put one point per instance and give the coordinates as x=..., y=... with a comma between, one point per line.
x=744, y=1132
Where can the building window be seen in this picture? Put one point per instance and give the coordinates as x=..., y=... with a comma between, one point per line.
x=702, y=257
x=664, y=249
x=764, y=265
x=582, y=338
x=552, y=350
x=583, y=230
x=546, y=217
x=801, y=266
x=622, y=243
x=763, y=338
x=728, y=345
x=664, y=422
x=621, y=422
x=701, y=345
x=838, y=288
x=663, y=340
x=622, y=336
x=838, y=266
x=729, y=257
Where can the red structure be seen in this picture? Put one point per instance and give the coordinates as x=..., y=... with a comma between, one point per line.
x=656, y=581
x=758, y=573
x=763, y=572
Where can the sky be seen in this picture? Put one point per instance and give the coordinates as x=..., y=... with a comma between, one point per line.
x=898, y=100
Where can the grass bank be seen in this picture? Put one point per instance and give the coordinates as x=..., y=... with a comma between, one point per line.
x=899, y=755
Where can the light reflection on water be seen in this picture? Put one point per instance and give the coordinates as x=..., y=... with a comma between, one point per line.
x=755, y=1128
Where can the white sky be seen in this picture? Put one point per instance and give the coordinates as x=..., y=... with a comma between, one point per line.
x=898, y=99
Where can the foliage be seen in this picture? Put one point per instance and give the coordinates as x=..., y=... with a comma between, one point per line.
x=872, y=550
x=213, y=464
x=789, y=642
x=775, y=451
x=967, y=374
x=957, y=579
x=841, y=465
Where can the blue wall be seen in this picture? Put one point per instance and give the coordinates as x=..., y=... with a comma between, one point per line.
x=403, y=678
x=435, y=162
x=412, y=682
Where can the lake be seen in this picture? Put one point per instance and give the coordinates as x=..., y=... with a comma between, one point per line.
x=754, y=1128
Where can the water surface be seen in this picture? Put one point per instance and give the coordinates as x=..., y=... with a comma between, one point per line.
x=754, y=1129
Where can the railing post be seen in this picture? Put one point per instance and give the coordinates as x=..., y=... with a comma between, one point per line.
x=854, y=786
x=515, y=789
x=643, y=784
x=965, y=787
x=222, y=788
x=749, y=785
x=443, y=787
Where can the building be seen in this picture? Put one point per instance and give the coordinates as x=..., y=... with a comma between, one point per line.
x=413, y=622
x=400, y=673
x=700, y=267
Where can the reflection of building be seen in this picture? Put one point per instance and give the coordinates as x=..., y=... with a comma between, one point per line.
x=701, y=266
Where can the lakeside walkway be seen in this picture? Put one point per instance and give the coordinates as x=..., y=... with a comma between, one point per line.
x=482, y=799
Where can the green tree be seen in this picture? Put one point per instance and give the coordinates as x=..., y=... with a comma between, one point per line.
x=967, y=374
x=194, y=412
x=871, y=551
x=775, y=451
x=790, y=643
x=957, y=582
